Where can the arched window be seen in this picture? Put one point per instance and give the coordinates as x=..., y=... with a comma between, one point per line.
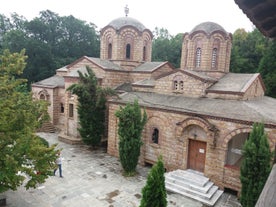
x=61, y=108
x=198, y=57
x=175, y=85
x=234, y=154
x=155, y=136
x=178, y=83
x=42, y=97
x=214, y=57
x=109, y=51
x=128, y=51
x=181, y=85
x=144, y=53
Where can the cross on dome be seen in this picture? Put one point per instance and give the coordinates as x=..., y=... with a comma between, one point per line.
x=126, y=10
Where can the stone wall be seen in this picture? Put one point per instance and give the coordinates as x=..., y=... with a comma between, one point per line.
x=191, y=87
x=115, y=78
x=255, y=89
x=174, y=141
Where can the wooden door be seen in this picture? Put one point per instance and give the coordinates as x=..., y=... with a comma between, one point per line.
x=197, y=155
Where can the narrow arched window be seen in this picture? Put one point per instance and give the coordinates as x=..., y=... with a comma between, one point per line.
x=109, y=51
x=144, y=53
x=61, y=108
x=128, y=51
x=198, y=57
x=42, y=97
x=175, y=85
x=214, y=58
x=181, y=85
x=155, y=136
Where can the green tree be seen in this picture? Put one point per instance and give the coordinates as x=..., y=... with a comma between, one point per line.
x=154, y=192
x=256, y=165
x=166, y=47
x=131, y=124
x=22, y=153
x=267, y=68
x=247, y=51
x=50, y=41
x=91, y=107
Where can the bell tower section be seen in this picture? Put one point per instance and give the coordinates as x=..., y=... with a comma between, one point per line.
x=207, y=49
x=125, y=39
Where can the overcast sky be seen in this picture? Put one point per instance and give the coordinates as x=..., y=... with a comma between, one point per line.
x=177, y=16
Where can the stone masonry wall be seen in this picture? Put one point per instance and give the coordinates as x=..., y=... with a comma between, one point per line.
x=173, y=143
x=191, y=87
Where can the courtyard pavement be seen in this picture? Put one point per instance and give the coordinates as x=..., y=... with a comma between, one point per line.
x=92, y=178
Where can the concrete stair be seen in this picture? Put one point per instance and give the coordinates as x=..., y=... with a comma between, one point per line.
x=69, y=140
x=47, y=127
x=192, y=184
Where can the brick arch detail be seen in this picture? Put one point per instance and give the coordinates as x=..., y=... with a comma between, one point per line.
x=152, y=123
x=210, y=129
x=155, y=122
x=45, y=93
x=233, y=133
x=206, y=125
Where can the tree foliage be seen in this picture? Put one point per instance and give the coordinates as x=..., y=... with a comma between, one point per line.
x=254, y=53
x=91, y=107
x=154, y=192
x=267, y=68
x=22, y=153
x=131, y=124
x=166, y=47
x=50, y=41
x=247, y=50
x=256, y=165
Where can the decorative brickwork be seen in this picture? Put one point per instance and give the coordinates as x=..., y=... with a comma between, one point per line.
x=208, y=60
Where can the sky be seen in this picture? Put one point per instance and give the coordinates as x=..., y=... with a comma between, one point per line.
x=177, y=16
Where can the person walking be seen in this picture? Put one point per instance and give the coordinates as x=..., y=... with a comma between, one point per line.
x=59, y=163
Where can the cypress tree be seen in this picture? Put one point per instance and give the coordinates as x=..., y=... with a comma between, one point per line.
x=256, y=165
x=154, y=193
x=131, y=124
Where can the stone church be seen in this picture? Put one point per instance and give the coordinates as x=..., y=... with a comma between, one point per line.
x=199, y=115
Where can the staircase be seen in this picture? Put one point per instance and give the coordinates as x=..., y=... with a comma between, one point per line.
x=47, y=127
x=194, y=185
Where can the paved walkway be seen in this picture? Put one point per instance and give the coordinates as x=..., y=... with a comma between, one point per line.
x=93, y=178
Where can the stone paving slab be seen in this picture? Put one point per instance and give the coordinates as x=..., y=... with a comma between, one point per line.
x=94, y=178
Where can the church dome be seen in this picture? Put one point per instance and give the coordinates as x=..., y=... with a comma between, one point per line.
x=209, y=28
x=126, y=21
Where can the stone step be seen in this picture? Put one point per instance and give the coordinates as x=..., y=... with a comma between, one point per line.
x=210, y=202
x=47, y=127
x=189, y=185
x=69, y=140
x=207, y=196
x=190, y=177
x=192, y=184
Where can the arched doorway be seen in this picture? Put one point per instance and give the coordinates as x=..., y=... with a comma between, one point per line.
x=197, y=155
x=196, y=147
